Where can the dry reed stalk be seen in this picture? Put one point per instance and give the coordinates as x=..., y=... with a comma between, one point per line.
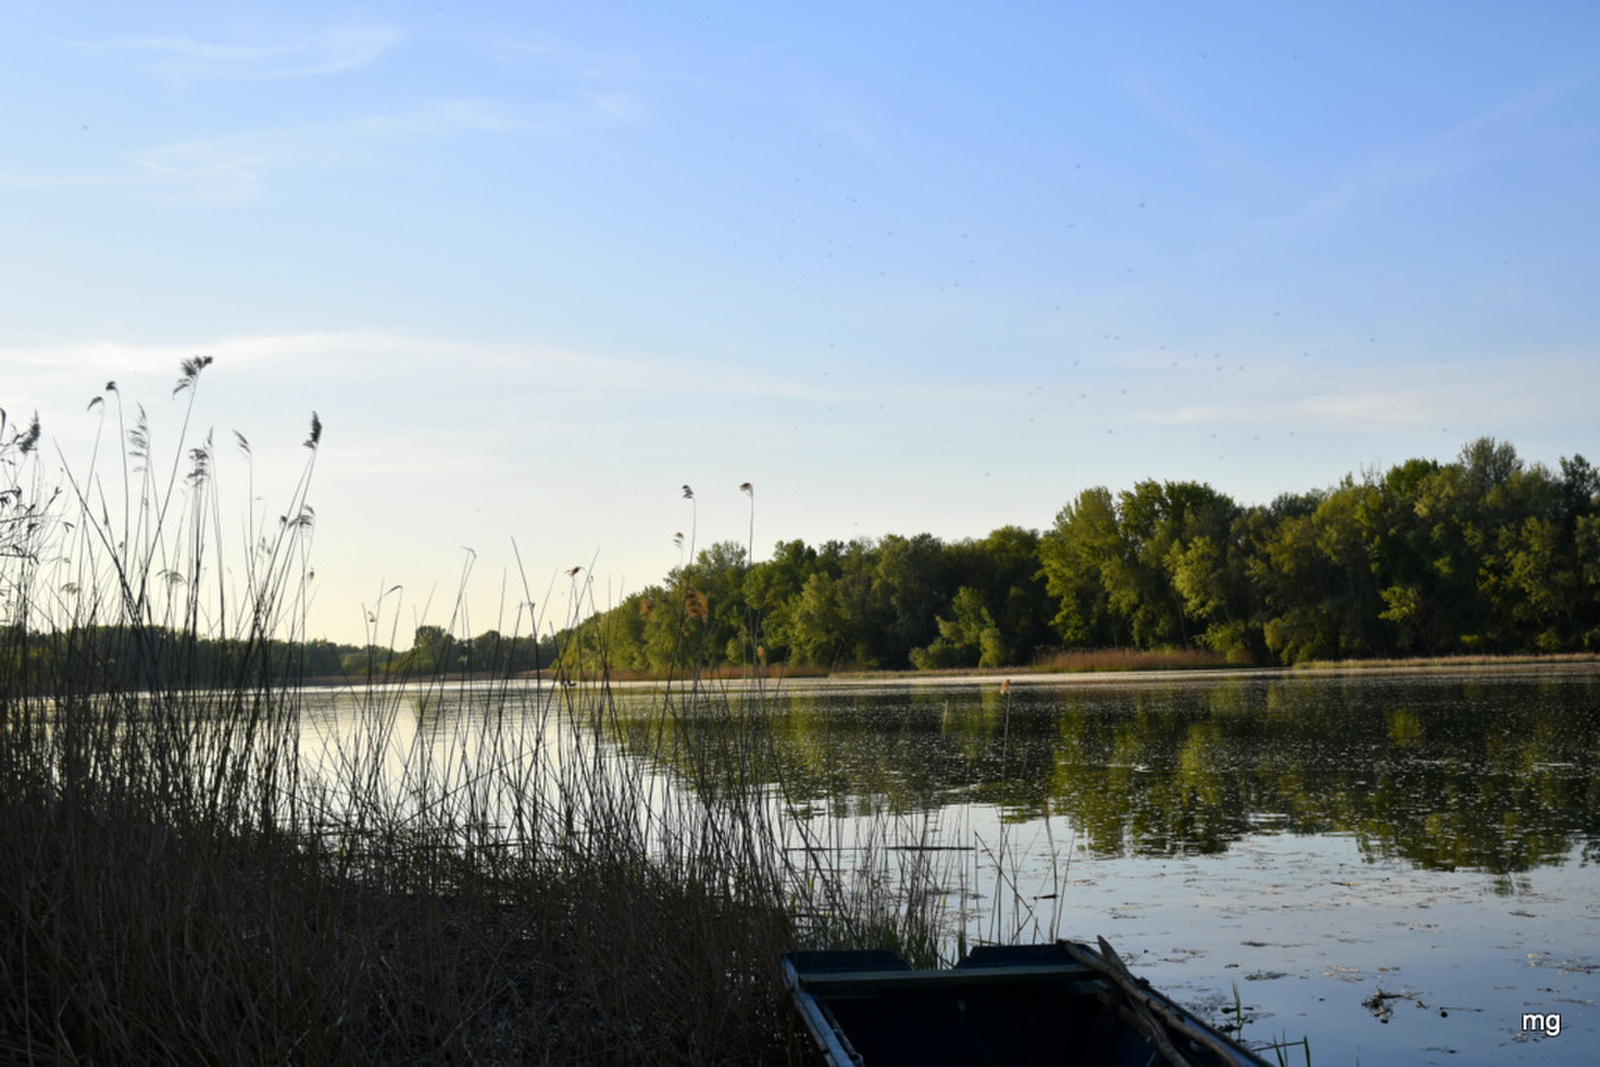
x=465, y=874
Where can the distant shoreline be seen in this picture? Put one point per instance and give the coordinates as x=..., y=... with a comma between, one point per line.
x=813, y=676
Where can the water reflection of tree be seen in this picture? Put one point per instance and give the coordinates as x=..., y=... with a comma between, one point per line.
x=1496, y=774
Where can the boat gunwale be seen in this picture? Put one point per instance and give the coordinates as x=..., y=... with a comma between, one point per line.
x=1082, y=972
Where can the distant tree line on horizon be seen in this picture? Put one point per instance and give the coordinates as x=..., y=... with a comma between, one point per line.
x=156, y=657
x=1486, y=554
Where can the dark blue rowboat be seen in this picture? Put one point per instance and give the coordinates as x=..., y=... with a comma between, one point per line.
x=1063, y=1003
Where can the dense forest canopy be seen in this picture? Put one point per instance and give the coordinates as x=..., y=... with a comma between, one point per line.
x=1486, y=554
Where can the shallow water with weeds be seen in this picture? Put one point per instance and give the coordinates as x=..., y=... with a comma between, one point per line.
x=1397, y=867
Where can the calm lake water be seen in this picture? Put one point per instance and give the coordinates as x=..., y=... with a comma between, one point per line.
x=1397, y=867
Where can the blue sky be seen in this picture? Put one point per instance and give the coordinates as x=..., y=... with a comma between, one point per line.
x=904, y=268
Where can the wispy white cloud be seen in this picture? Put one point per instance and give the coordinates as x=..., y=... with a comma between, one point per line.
x=1513, y=111
x=226, y=168
x=494, y=373
x=234, y=167
x=554, y=58
x=338, y=359
x=344, y=353
x=590, y=82
x=588, y=87
x=1380, y=176
x=14, y=180
x=325, y=51
x=1221, y=153
x=1466, y=145
x=841, y=119
x=1514, y=395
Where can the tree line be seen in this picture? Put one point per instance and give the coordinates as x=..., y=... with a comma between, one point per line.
x=152, y=657
x=1486, y=554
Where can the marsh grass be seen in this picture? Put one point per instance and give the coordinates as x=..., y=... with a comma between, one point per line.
x=203, y=867
x=1127, y=659
x=1443, y=663
x=776, y=673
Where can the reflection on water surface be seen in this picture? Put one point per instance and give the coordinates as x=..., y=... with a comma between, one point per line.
x=1306, y=845
x=1489, y=771
x=1397, y=867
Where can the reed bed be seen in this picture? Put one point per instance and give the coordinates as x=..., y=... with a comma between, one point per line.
x=209, y=863
x=1444, y=663
x=1128, y=659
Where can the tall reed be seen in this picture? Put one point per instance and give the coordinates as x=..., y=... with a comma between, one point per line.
x=212, y=864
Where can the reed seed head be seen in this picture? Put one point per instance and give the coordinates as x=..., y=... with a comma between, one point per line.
x=189, y=372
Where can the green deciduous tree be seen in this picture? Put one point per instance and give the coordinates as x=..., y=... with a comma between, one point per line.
x=967, y=638
x=1077, y=556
